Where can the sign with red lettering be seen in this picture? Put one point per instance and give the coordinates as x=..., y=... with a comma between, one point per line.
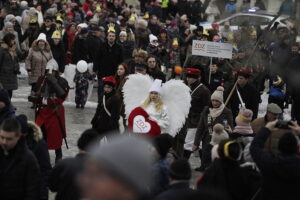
x=212, y=49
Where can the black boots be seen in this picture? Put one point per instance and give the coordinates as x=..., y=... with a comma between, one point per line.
x=58, y=155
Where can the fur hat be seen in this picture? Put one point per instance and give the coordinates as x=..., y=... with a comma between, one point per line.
x=156, y=86
x=218, y=94
x=218, y=134
x=180, y=170
x=243, y=122
x=82, y=66
x=128, y=159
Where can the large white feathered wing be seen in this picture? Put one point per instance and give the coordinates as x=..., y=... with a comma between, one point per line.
x=135, y=91
x=177, y=98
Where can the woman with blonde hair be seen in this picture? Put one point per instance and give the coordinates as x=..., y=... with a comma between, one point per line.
x=155, y=107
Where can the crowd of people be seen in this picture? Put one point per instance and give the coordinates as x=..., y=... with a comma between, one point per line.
x=138, y=58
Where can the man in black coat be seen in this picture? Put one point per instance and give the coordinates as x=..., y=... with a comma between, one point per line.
x=109, y=57
x=153, y=26
x=249, y=95
x=64, y=176
x=79, y=47
x=200, y=99
x=48, y=27
x=280, y=173
x=19, y=170
x=93, y=42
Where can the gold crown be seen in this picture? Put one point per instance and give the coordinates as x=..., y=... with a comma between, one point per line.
x=59, y=18
x=56, y=35
x=33, y=21
x=98, y=8
x=111, y=28
x=132, y=17
x=205, y=32
x=146, y=16
x=175, y=42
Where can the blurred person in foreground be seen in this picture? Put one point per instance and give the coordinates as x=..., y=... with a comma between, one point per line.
x=280, y=172
x=118, y=170
x=64, y=176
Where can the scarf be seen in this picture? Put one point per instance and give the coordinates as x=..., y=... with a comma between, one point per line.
x=216, y=112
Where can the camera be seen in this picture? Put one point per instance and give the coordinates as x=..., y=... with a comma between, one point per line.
x=281, y=124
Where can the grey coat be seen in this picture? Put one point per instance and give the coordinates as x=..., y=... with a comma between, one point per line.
x=9, y=68
x=36, y=61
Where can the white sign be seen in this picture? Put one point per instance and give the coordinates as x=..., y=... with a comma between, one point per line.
x=212, y=49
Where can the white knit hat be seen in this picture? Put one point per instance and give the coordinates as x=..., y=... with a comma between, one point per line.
x=123, y=33
x=218, y=94
x=218, y=134
x=82, y=25
x=156, y=86
x=42, y=37
x=82, y=66
x=152, y=38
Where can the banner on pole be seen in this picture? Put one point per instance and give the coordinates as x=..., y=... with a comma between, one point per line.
x=212, y=49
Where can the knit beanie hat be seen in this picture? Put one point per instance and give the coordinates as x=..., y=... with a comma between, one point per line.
x=243, y=122
x=218, y=134
x=128, y=159
x=218, y=94
x=4, y=97
x=180, y=170
x=229, y=149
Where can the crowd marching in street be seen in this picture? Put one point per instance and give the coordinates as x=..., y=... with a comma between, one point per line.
x=158, y=102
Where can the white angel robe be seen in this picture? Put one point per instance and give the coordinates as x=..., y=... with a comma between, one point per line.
x=160, y=117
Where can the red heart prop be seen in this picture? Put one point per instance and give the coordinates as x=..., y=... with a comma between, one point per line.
x=139, y=122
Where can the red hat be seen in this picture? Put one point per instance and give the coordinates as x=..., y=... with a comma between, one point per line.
x=192, y=73
x=243, y=72
x=110, y=80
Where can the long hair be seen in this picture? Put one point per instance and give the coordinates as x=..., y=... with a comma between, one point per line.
x=158, y=103
x=121, y=80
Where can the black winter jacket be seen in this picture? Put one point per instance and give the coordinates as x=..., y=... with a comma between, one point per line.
x=59, y=55
x=19, y=174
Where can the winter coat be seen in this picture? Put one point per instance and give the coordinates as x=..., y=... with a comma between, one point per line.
x=19, y=173
x=4, y=32
x=175, y=191
x=154, y=28
x=80, y=50
x=142, y=38
x=108, y=59
x=127, y=49
x=157, y=74
x=38, y=146
x=216, y=80
x=280, y=173
x=51, y=117
x=93, y=44
x=64, y=178
x=200, y=99
x=250, y=96
x=36, y=61
x=49, y=32
x=68, y=39
x=203, y=133
x=101, y=121
x=31, y=34
x=7, y=112
x=9, y=68
x=59, y=55
x=160, y=174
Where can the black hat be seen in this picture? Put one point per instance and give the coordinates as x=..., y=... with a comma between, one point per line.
x=48, y=18
x=180, y=170
x=4, y=97
x=84, y=31
x=95, y=29
x=87, y=138
x=216, y=61
x=141, y=66
x=23, y=122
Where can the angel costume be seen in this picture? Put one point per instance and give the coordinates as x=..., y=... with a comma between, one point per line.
x=174, y=94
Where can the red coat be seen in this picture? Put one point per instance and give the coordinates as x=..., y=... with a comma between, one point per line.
x=49, y=117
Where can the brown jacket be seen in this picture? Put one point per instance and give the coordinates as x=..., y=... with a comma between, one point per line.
x=36, y=61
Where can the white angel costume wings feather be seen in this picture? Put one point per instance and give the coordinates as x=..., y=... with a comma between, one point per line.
x=175, y=95
x=135, y=91
x=177, y=98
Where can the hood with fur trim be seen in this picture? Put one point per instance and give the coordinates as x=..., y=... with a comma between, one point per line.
x=35, y=46
x=37, y=132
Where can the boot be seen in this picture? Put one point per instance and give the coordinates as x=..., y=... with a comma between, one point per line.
x=187, y=154
x=58, y=155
